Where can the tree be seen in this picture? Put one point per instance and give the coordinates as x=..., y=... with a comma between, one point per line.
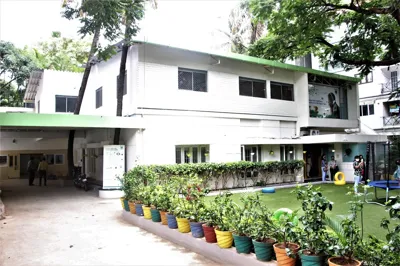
x=61, y=53
x=368, y=32
x=95, y=16
x=244, y=28
x=15, y=69
x=133, y=13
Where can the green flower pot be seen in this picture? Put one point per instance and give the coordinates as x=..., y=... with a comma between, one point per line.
x=155, y=215
x=312, y=260
x=243, y=244
x=264, y=250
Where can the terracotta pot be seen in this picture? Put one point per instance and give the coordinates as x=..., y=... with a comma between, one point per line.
x=146, y=212
x=224, y=238
x=183, y=225
x=164, y=219
x=333, y=262
x=132, y=207
x=282, y=258
x=209, y=233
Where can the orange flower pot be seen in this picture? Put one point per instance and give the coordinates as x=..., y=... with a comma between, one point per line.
x=164, y=219
x=335, y=261
x=132, y=207
x=282, y=258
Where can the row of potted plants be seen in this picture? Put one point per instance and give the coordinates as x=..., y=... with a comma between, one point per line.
x=250, y=226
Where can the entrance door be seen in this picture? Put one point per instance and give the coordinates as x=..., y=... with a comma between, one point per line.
x=13, y=166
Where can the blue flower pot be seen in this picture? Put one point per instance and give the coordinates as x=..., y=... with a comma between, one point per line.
x=172, y=221
x=197, y=229
x=139, y=209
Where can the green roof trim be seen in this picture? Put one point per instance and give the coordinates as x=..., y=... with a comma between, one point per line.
x=67, y=121
x=264, y=62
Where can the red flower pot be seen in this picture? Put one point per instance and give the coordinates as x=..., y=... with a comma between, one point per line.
x=209, y=234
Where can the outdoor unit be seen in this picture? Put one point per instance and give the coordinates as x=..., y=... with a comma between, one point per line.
x=314, y=132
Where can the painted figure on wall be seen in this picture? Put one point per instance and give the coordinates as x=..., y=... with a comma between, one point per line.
x=335, y=113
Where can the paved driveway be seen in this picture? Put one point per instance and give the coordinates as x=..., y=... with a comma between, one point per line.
x=64, y=226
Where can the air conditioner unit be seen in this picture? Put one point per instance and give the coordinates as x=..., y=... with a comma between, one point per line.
x=314, y=132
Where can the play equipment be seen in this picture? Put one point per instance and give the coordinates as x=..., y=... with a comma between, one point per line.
x=285, y=211
x=339, y=179
x=383, y=184
x=268, y=190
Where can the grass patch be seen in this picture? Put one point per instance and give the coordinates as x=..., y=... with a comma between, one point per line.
x=373, y=213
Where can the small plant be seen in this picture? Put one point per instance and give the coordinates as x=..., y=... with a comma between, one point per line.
x=145, y=195
x=263, y=227
x=314, y=238
x=242, y=217
x=194, y=196
x=286, y=231
x=223, y=207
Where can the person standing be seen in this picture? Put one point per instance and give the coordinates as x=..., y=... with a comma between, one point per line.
x=42, y=169
x=333, y=167
x=357, y=172
x=31, y=170
x=309, y=165
x=324, y=167
x=362, y=165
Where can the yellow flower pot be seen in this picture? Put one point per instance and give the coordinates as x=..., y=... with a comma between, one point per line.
x=146, y=212
x=183, y=225
x=122, y=202
x=224, y=238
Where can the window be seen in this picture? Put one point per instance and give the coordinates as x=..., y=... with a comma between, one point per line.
x=192, y=80
x=125, y=85
x=366, y=79
x=29, y=105
x=252, y=87
x=99, y=97
x=3, y=160
x=59, y=159
x=287, y=153
x=367, y=109
x=50, y=159
x=191, y=154
x=65, y=104
x=282, y=91
x=251, y=153
x=393, y=80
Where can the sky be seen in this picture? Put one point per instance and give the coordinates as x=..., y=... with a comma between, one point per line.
x=192, y=24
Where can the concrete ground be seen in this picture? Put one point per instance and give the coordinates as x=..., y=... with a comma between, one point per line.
x=64, y=226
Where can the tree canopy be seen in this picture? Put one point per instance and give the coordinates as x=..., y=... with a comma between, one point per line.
x=350, y=34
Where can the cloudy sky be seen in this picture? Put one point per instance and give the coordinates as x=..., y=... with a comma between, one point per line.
x=192, y=24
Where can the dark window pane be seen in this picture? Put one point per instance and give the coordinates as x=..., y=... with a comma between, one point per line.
x=371, y=109
x=365, y=110
x=50, y=158
x=11, y=161
x=99, y=97
x=245, y=87
x=203, y=154
x=59, y=159
x=287, y=92
x=71, y=102
x=178, y=158
x=199, y=81
x=276, y=91
x=361, y=114
x=184, y=80
x=194, y=154
x=186, y=155
x=259, y=89
x=61, y=104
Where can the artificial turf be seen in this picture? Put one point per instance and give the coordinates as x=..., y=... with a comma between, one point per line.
x=373, y=213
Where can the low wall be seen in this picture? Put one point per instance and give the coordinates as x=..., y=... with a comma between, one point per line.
x=198, y=245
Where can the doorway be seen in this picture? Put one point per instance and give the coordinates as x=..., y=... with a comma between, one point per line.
x=24, y=163
x=312, y=156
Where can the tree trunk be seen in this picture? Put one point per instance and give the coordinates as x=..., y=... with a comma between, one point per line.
x=120, y=86
x=79, y=100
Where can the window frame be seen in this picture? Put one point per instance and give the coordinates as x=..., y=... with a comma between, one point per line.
x=252, y=87
x=49, y=156
x=285, y=158
x=99, y=98
x=65, y=98
x=368, y=108
x=192, y=71
x=281, y=84
x=258, y=153
x=183, y=158
x=55, y=160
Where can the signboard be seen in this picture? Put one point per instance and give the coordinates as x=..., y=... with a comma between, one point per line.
x=394, y=108
x=113, y=166
x=323, y=101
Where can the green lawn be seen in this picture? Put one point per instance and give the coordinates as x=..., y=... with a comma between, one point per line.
x=373, y=213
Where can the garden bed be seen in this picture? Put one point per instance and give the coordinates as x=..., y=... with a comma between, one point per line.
x=198, y=245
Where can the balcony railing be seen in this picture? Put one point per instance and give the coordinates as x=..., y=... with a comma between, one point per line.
x=390, y=86
x=391, y=121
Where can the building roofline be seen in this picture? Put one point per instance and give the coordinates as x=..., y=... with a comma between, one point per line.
x=260, y=61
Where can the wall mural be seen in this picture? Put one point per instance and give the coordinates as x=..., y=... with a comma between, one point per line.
x=323, y=101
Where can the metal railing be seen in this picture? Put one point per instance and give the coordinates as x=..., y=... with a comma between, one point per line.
x=390, y=86
x=391, y=121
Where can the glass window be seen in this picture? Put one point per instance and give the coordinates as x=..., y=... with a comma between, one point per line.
x=194, y=155
x=371, y=109
x=65, y=104
x=251, y=153
x=245, y=87
x=193, y=80
x=191, y=154
x=187, y=155
x=61, y=105
x=99, y=97
x=178, y=155
x=204, y=154
x=252, y=87
x=71, y=102
x=276, y=91
x=50, y=159
x=282, y=91
x=365, y=110
x=59, y=159
x=259, y=89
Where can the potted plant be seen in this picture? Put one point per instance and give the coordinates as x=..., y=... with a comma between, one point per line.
x=286, y=233
x=145, y=196
x=125, y=186
x=164, y=202
x=195, y=197
x=241, y=220
x=261, y=231
x=348, y=234
x=223, y=207
x=314, y=238
x=175, y=186
x=208, y=216
x=155, y=213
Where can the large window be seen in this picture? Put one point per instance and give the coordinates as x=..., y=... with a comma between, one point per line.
x=394, y=80
x=251, y=153
x=65, y=104
x=191, y=154
x=366, y=79
x=282, y=91
x=287, y=153
x=99, y=97
x=192, y=80
x=125, y=85
x=367, y=109
x=252, y=87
